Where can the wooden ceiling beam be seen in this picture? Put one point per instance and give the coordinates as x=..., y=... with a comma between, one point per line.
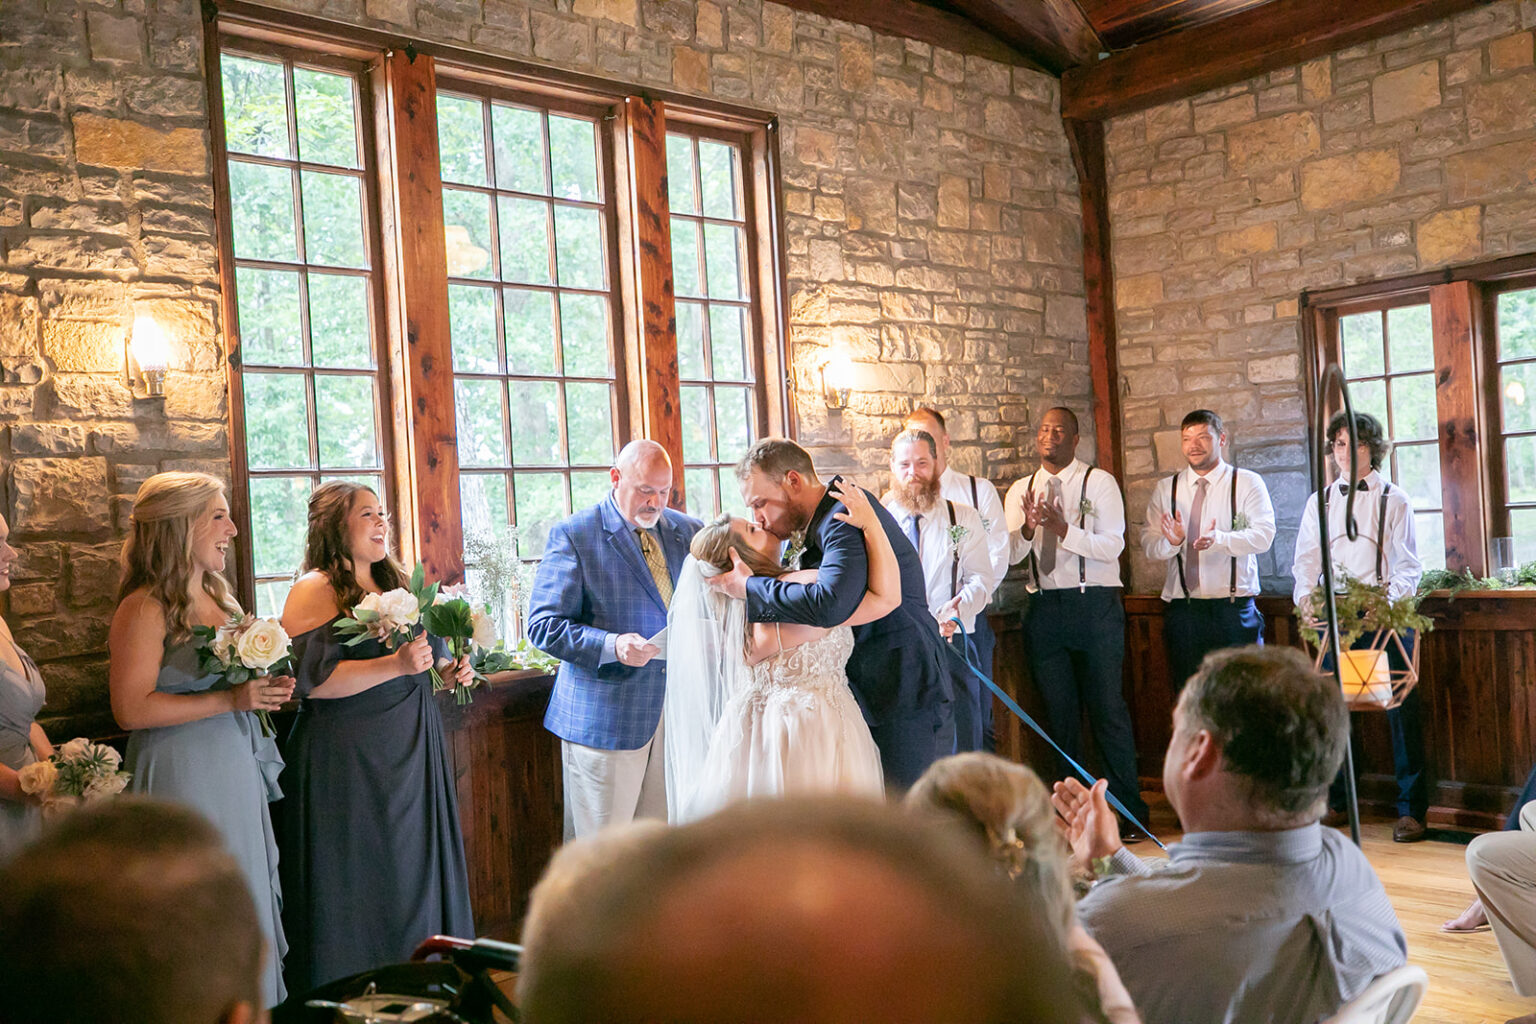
x=1055, y=32
x=1249, y=43
x=1125, y=23
x=913, y=20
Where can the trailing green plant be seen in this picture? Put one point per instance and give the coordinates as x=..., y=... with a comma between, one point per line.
x=1364, y=608
x=499, y=579
x=523, y=655
x=1454, y=582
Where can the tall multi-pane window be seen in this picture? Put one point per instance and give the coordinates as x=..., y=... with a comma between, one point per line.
x=712, y=283
x=1389, y=361
x=1515, y=329
x=530, y=299
x=305, y=298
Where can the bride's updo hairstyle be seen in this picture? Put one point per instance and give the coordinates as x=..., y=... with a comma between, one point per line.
x=1008, y=810
x=713, y=544
x=158, y=552
x=325, y=548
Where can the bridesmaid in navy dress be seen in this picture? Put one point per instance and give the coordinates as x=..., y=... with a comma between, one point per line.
x=22, y=740
x=373, y=859
x=193, y=739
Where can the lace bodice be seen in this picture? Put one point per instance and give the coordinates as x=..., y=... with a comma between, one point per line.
x=815, y=666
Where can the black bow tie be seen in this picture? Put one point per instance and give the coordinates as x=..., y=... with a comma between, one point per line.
x=1361, y=486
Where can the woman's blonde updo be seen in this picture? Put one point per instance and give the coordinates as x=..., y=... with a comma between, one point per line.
x=712, y=547
x=158, y=552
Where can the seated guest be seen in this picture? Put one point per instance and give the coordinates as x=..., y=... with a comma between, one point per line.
x=128, y=912
x=822, y=910
x=1503, y=870
x=1008, y=810
x=1475, y=917
x=1279, y=919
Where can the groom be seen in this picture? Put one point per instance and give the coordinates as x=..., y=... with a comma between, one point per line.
x=897, y=670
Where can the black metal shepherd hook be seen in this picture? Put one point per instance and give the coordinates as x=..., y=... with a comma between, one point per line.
x=1333, y=373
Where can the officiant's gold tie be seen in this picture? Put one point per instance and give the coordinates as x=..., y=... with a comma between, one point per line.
x=657, y=563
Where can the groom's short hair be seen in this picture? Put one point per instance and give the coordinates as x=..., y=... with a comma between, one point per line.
x=774, y=457
x=747, y=914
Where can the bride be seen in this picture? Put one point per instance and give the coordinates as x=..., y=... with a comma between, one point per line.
x=764, y=709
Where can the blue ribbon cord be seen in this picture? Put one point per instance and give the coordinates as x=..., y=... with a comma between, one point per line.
x=1013, y=705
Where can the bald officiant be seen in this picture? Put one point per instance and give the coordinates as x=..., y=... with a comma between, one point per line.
x=599, y=598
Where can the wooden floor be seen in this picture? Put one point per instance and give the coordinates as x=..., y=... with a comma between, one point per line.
x=1427, y=883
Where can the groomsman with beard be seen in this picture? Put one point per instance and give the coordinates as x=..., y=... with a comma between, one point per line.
x=951, y=543
x=1068, y=520
x=977, y=492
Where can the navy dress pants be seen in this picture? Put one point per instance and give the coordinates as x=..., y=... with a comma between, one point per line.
x=1193, y=628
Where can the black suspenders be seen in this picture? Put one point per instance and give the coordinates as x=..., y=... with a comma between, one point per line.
x=1082, y=517
x=1381, y=528
x=954, y=564
x=1178, y=556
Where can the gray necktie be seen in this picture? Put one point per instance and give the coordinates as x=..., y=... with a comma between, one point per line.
x=1192, y=534
x=1048, y=542
x=914, y=523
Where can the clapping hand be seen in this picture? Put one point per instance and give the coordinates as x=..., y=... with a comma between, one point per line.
x=1051, y=517
x=1090, y=825
x=1207, y=538
x=1029, y=504
x=1173, y=529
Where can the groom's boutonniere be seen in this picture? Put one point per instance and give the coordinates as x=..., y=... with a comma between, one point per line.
x=986, y=524
x=1239, y=522
x=1085, y=509
x=957, y=535
x=794, y=549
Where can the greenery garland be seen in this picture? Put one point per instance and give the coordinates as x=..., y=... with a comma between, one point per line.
x=1365, y=608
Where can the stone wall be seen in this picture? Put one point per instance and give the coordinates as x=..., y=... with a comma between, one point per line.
x=1408, y=153
x=932, y=228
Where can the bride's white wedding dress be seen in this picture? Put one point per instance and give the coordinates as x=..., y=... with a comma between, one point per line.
x=786, y=726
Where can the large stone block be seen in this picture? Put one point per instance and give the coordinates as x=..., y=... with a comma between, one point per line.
x=1236, y=110
x=65, y=636
x=625, y=12
x=1510, y=52
x=1138, y=291
x=1247, y=241
x=18, y=339
x=690, y=70
x=114, y=142
x=93, y=571
x=91, y=396
x=1501, y=106
x=871, y=206
x=1450, y=236
x=82, y=346
x=1274, y=140
x=1275, y=369
x=1349, y=178
x=115, y=38
x=1411, y=90
x=32, y=438
x=60, y=496
x=1490, y=171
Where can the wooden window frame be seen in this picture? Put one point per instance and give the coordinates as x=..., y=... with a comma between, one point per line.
x=405, y=191
x=1462, y=304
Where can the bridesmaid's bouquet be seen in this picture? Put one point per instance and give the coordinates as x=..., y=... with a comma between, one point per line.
x=244, y=648
x=463, y=626
x=79, y=772
x=394, y=617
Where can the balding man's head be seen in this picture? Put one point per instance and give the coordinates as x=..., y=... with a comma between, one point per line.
x=818, y=911
x=642, y=482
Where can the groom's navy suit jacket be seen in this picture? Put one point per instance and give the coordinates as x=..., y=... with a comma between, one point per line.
x=897, y=669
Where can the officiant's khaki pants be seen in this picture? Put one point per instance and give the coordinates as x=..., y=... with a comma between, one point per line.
x=612, y=787
x=1503, y=870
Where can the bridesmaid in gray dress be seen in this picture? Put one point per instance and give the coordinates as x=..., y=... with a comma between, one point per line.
x=21, y=739
x=193, y=740
x=373, y=860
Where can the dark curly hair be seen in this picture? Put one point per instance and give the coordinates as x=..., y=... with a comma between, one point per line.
x=1280, y=724
x=1368, y=430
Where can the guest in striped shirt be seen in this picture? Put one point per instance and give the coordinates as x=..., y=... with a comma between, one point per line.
x=1260, y=914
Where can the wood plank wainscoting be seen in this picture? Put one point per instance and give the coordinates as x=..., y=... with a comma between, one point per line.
x=1478, y=677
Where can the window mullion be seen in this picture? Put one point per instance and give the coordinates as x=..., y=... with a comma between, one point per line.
x=1455, y=313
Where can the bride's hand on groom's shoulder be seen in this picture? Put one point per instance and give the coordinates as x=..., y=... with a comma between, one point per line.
x=859, y=512
x=733, y=583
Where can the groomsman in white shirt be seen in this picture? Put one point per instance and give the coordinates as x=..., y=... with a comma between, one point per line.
x=957, y=569
x=977, y=492
x=1384, y=553
x=1209, y=522
x=1068, y=520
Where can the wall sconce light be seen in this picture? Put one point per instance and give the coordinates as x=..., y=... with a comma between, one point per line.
x=149, y=352
x=836, y=382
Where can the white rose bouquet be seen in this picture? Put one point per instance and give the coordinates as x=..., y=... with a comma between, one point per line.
x=79, y=772
x=464, y=626
x=394, y=617
x=244, y=648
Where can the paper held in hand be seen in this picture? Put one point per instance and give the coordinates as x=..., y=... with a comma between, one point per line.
x=659, y=640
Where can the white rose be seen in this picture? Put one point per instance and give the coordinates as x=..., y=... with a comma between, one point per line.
x=262, y=645
x=104, y=786
x=223, y=645
x=452, y=593
x=485, y=629
x=369, y=603
x=37, y=777
x=399, y=608
x=75, y=749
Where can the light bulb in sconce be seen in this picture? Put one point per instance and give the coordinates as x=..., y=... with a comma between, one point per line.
x=151, y=353
x=837, y=382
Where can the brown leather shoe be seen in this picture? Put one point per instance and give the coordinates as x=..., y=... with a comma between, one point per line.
x=1408, y=830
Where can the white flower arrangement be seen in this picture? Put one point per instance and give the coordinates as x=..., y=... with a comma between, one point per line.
x=957, y=534
x=79, y=772
x=244, y=648
x=1085, y=509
